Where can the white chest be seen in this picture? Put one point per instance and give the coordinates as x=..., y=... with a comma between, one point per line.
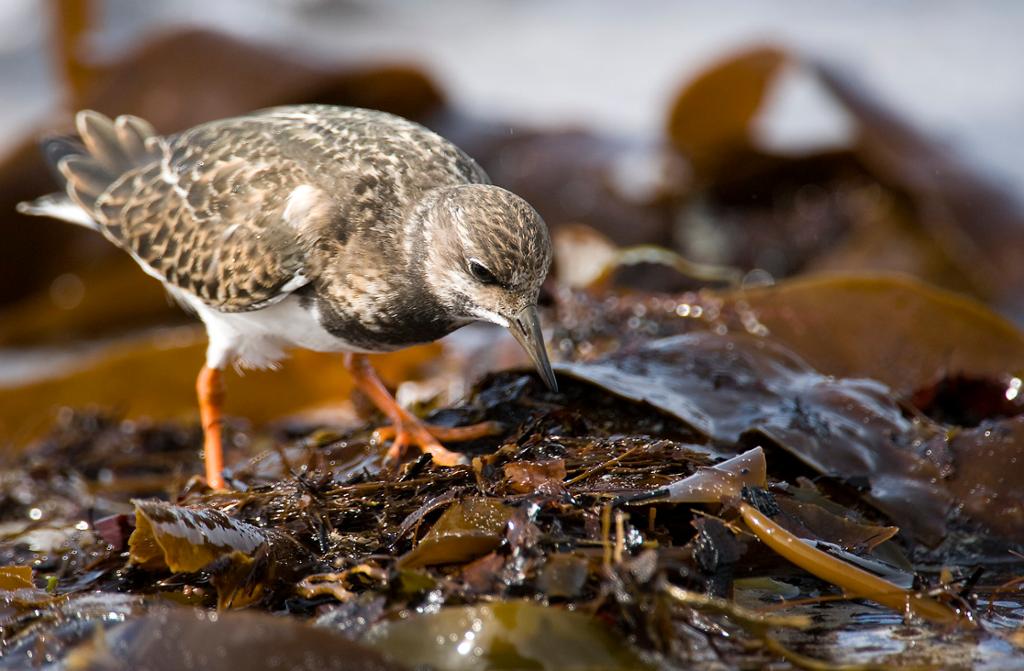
x=260, y=338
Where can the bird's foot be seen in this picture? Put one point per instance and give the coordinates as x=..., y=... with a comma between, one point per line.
x=409, y=431
x=406, y=430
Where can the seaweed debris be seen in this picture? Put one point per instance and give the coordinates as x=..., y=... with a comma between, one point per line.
x=645, y=516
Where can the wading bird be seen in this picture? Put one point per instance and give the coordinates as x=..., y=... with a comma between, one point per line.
x=327, y=228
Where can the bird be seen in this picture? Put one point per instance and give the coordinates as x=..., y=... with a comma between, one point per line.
x=334, y=229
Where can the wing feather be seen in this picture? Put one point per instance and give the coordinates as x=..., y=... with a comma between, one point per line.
x=202, y=210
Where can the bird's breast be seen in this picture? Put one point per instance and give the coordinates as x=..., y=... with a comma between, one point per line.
x=382, y=322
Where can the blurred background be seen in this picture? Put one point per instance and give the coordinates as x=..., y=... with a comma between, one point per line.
x=952, y=67
x=779, y=139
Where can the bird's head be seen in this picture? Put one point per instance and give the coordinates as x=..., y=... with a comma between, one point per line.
x=486, y=254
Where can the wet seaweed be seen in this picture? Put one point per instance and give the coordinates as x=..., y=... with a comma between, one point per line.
x=593, y=504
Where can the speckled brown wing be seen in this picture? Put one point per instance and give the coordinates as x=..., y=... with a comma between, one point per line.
x=241, y=211
x=203, y=210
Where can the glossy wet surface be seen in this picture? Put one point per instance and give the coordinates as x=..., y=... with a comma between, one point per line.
x=598, y=502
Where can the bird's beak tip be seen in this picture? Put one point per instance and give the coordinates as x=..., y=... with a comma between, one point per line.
x=526, y=329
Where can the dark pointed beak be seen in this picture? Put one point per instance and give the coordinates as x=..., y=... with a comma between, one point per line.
x=526, y=329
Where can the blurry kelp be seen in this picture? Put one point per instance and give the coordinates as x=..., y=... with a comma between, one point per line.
x=890, y=199
x=718, y=190
x=168, y=639
x=152, y=376
x=714, y=188
x=668, y=479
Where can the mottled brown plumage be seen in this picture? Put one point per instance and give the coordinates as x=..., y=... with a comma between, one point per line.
x=204, y=208
x=329, y=228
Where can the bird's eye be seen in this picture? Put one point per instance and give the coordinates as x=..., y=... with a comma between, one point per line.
x=481, y=273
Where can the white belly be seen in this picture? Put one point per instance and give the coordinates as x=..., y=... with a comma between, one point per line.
x=259, y=339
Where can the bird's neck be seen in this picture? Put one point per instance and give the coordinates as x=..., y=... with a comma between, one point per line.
x=392, y=311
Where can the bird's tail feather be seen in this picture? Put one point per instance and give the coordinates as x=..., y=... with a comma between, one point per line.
x=58, y=206
x=56, y=147
x=103, y=151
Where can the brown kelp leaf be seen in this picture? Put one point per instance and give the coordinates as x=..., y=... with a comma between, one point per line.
x=100, y=300
x=182, y=638
x=59, y=623
x=930, y=335
x=154, y=376
x=526, y=477
x=510, y=635
x=809, y=520
x=468, y=529
x=240, y=557
x=710, y=119
x=724, y=385
x=728, y=386
x=854, y=581
x=563, y=575
x=889, y=328
x=16, y=577
x=977, y=223
x=892, y=199
x=483, y=575
x=987, y=478
x=18, y=590
x=585, y=259
x=229, y=76
x=184, y=540
x=804, y=210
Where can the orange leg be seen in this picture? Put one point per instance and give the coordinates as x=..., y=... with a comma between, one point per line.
x=406, y=429
x=210, y=389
